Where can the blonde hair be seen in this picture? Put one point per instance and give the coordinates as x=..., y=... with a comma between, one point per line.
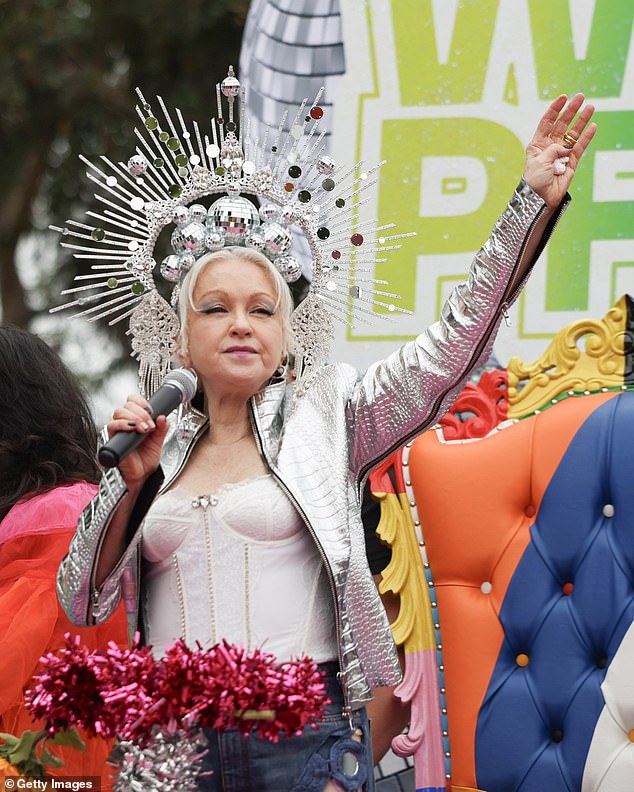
x=283, y=296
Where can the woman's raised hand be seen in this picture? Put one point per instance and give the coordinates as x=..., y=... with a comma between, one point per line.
x=136, y=416
x=557, y=146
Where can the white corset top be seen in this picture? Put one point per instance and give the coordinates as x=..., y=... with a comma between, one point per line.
x=239, y=565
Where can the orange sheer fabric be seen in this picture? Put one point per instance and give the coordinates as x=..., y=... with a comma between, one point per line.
x=34, y=537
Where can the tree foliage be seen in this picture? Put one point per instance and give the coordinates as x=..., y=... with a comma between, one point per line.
x=69, y=69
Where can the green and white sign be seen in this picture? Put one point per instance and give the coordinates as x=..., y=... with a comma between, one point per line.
x=449, y=93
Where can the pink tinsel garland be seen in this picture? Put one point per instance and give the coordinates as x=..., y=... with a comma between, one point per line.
x=126, y=693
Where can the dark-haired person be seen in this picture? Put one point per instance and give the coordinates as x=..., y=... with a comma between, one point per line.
x=48, y=472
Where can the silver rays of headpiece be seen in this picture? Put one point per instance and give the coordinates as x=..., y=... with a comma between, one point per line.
x=172, y=169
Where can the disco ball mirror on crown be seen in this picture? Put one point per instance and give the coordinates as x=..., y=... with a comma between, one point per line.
x=195, y=184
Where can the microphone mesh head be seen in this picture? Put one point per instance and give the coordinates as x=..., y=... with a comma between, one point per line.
x=185, y=380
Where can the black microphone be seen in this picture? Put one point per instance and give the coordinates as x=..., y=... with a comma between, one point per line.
x=177, y=387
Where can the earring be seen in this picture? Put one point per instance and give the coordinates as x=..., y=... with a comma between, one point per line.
x=281, y=371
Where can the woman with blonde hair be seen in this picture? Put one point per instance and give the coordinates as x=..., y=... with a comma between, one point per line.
x=245, y=509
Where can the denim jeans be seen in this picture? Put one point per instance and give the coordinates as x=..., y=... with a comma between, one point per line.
x=303, y=763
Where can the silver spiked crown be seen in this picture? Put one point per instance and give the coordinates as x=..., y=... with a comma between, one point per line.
x=164, y=183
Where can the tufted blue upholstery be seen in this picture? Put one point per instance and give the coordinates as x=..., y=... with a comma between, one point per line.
x=540, y=718
x=524, y=657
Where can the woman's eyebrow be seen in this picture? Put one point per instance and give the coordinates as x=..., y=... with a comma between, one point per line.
x=219, y=291
x=260, y=298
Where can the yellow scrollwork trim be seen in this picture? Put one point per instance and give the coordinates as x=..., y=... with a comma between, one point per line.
x=566, y=366
x=404, y=575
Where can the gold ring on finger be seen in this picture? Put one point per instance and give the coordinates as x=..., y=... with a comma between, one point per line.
x=568, y=140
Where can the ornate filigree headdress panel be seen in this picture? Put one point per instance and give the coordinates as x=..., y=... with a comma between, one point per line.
x=194, y=183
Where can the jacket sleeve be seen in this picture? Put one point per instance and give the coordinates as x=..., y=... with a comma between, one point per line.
x=83, y=603
x=411, y=389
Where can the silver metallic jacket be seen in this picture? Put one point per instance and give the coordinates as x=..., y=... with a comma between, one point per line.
x=320, y=448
